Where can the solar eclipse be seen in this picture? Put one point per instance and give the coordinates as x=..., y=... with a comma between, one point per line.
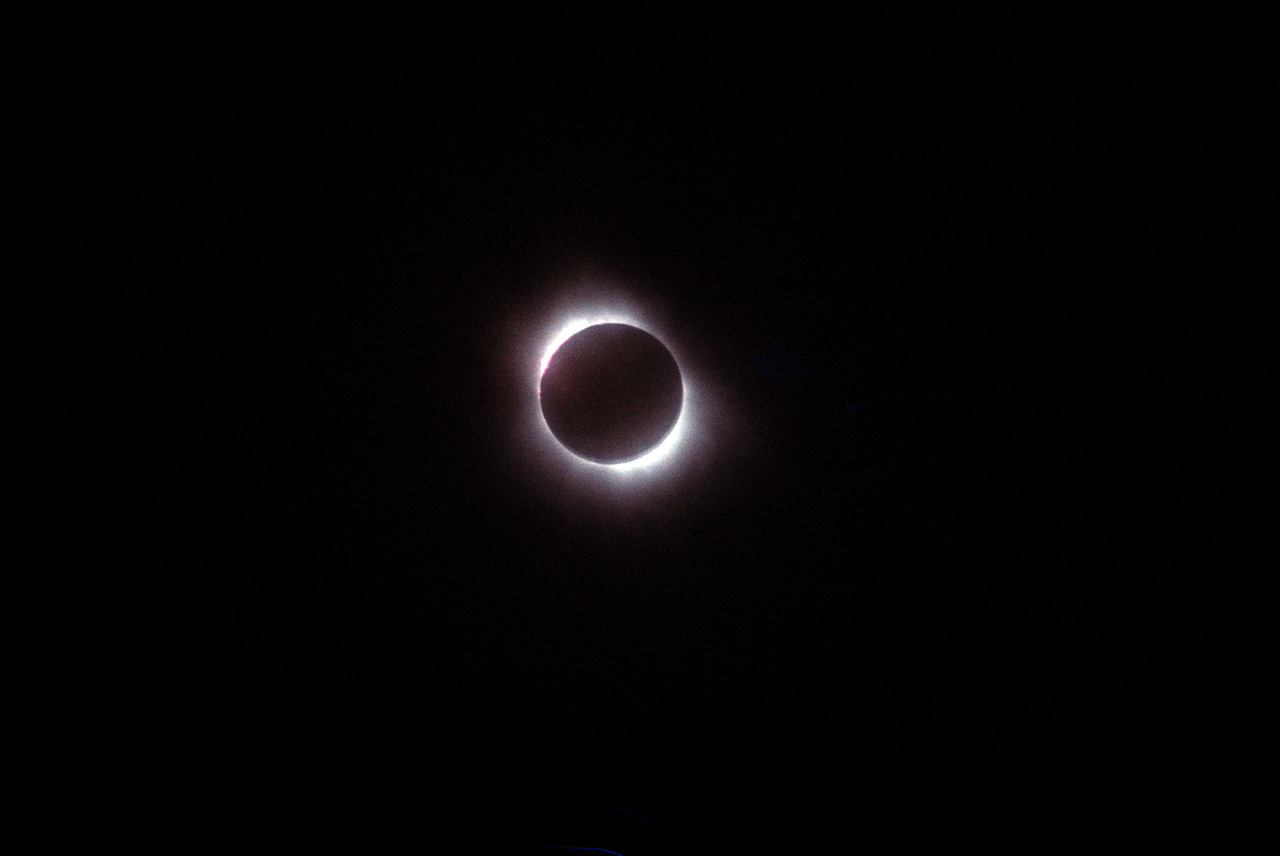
x=611, y=393
x=623, y=407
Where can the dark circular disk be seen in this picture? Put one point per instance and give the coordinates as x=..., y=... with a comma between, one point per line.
x=611, y=393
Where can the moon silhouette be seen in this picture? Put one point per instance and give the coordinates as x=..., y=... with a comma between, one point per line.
x=611, y=393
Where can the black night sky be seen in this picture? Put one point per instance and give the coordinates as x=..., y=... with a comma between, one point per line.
x=973, y=534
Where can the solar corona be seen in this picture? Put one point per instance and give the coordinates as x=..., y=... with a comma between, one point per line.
x=611, y=393
x=612, y=396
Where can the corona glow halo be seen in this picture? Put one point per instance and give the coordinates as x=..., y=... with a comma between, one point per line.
x=660, y=459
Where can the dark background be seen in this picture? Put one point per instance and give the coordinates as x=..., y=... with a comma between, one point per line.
x=978, y=537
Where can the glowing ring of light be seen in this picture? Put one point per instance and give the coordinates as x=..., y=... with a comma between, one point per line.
x=657, y=460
